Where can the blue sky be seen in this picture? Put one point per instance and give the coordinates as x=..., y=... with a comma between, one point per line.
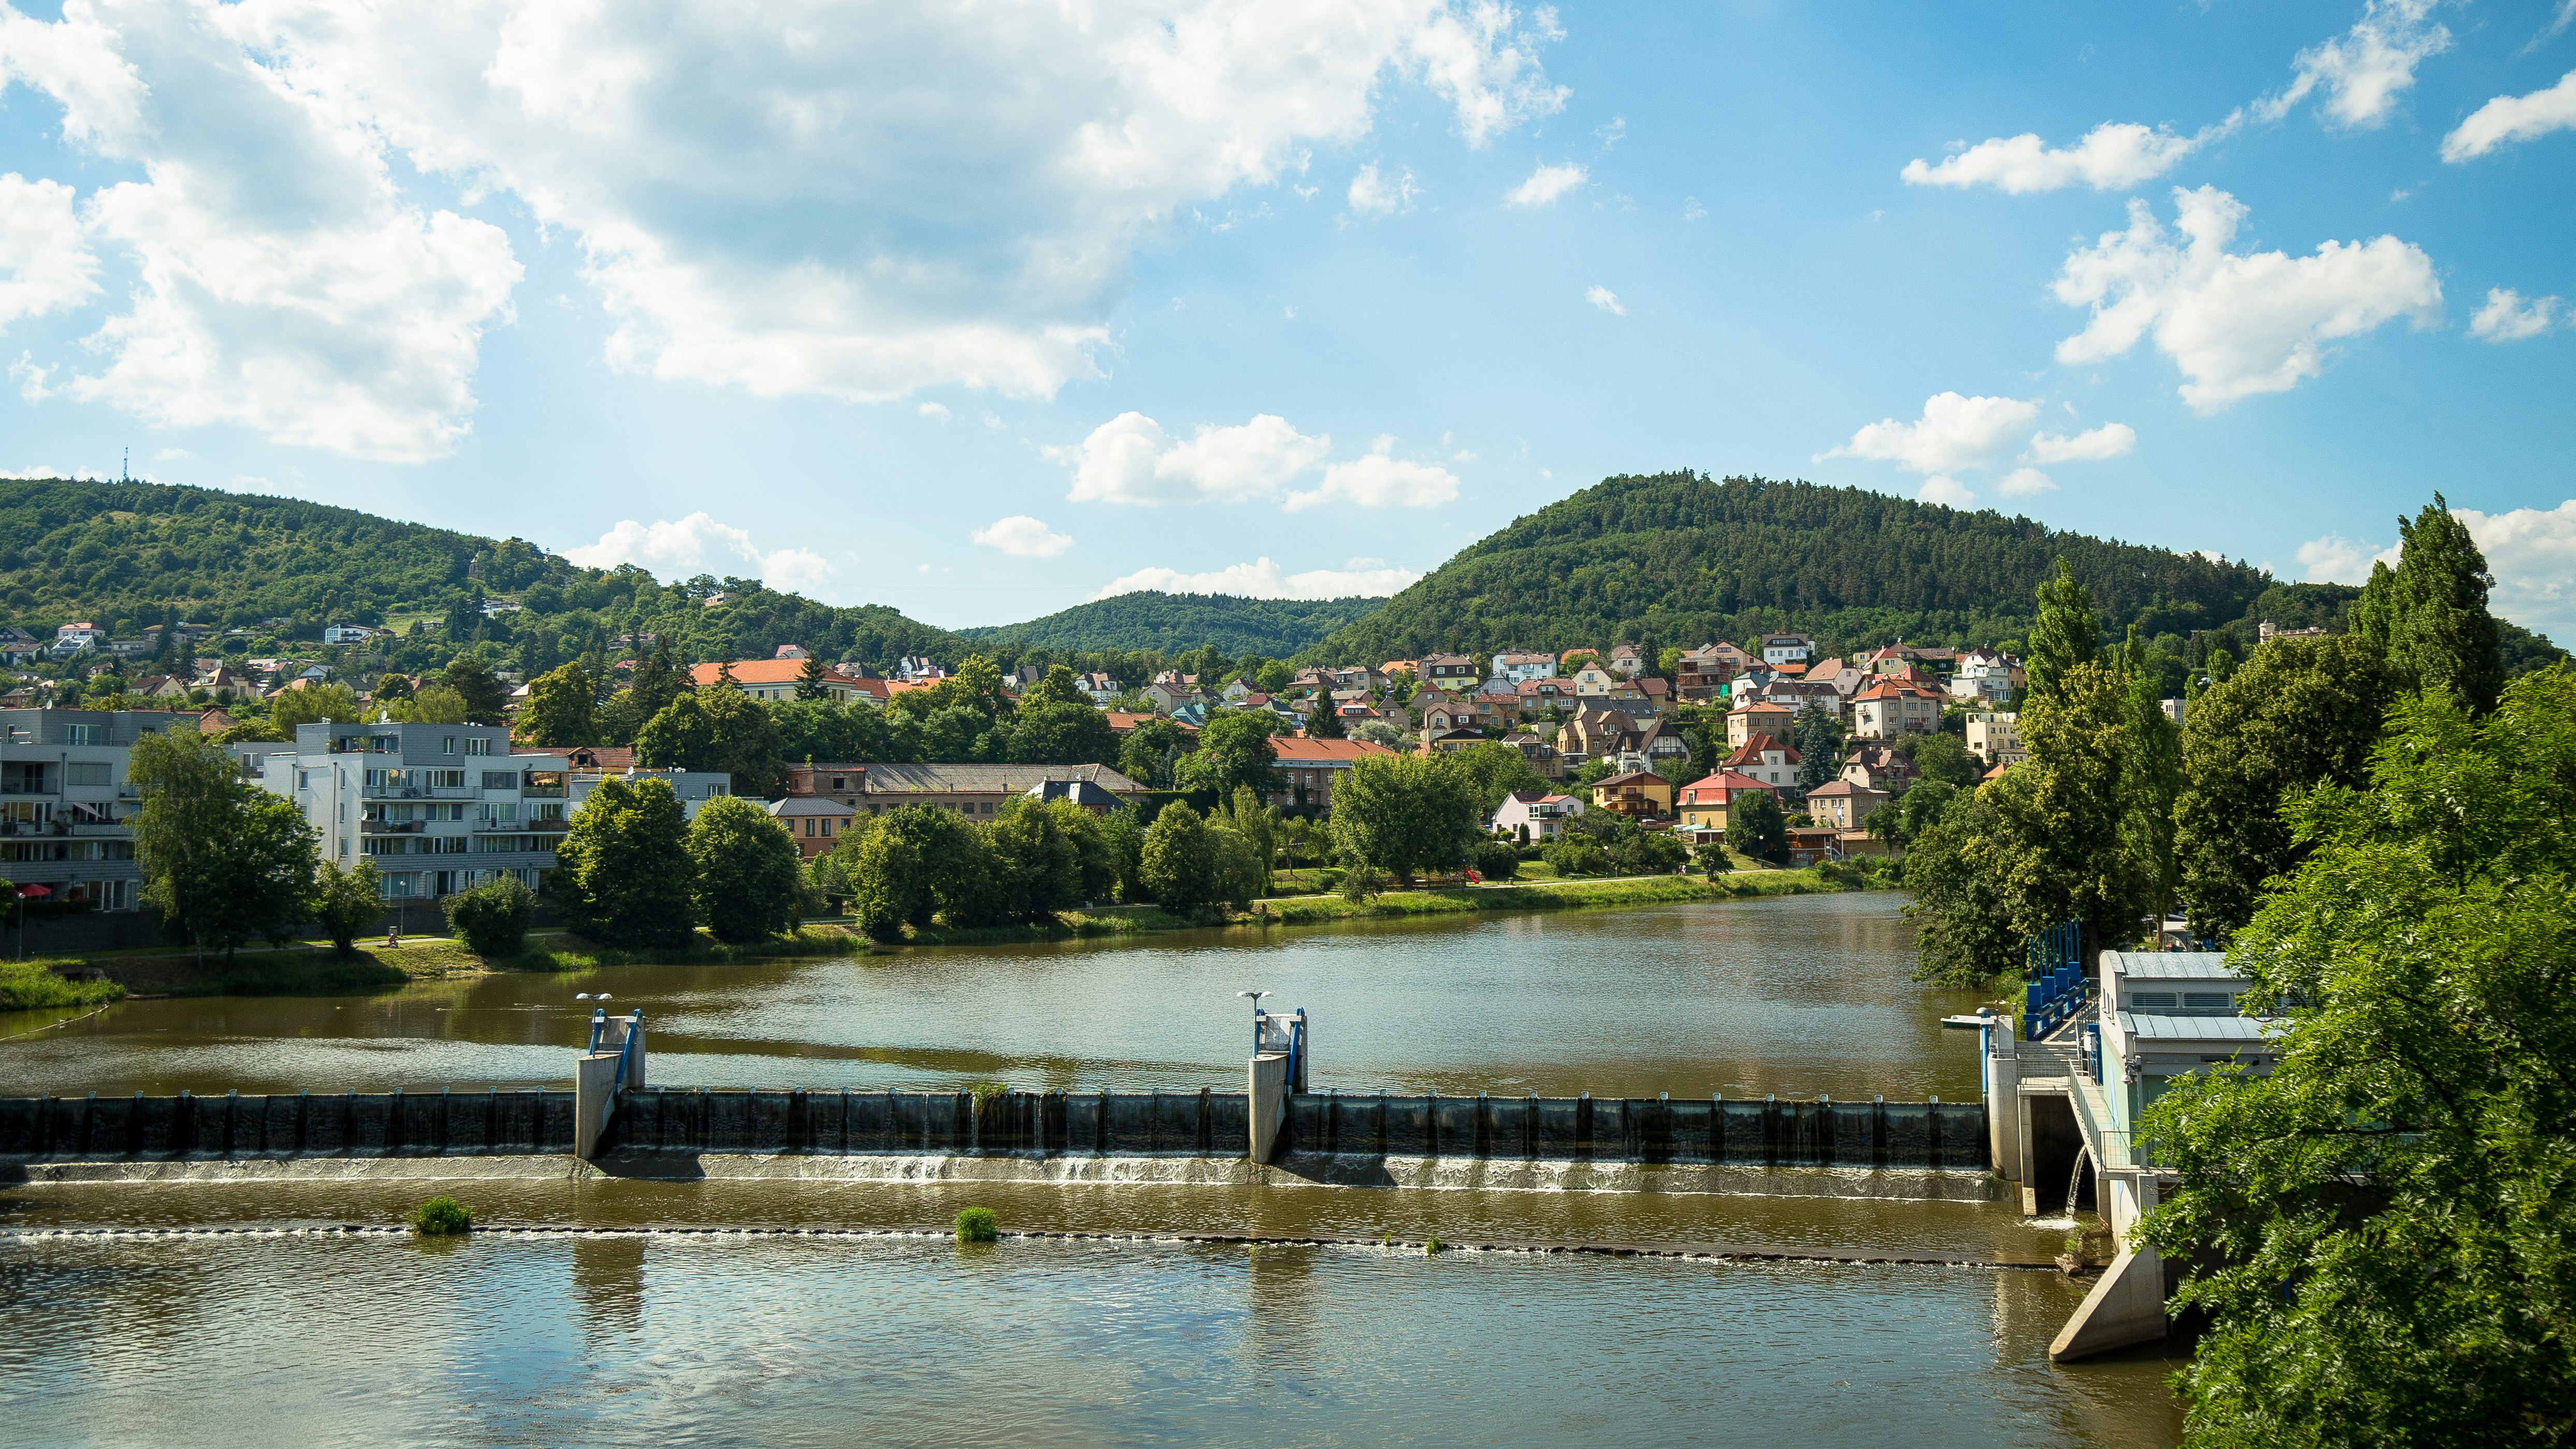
x=981, y=311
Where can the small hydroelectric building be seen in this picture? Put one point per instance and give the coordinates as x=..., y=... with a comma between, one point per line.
x=2065, y=1088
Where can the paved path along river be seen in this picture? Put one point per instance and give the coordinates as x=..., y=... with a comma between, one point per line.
x=645, y=1334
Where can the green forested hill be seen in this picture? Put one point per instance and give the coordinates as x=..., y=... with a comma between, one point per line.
x=1175, y=622
x=127, y=555
x=1683, y=559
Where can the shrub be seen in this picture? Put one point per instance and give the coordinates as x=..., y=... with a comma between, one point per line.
x=1578, y=855
x=1713, y=858
x=975, y=1225
x=1361, y=882
x=441, y=1217
x=347, y=901
x=492, y=919
x=1495, y=859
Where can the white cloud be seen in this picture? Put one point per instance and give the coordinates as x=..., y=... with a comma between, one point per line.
x=1692, y=210
x=831, y=199
x=1381, y=480
x=2335, y=559
x=171, y=455
x=2090, y=446
x=2236, y=325
x=2364, y=70
x=2532, y=552
x=1546, y=184
x=685, y=547
x=1605, y=299
x=2513, y=118
x=1374, y=195
x=2506, y=317
x=31, y=378
x=283, y=282
x=1022, y=537
x=1130, y=459
x=936, y=412
x=2025, y=483
x=1943, y=489
x=1954, y=432
x=2111, y=157
x=45, y=265
x=1262, y=579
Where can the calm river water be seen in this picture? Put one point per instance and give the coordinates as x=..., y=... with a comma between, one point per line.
x=638, y=1335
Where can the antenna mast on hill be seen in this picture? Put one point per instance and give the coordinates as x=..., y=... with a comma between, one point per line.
x=127, y=469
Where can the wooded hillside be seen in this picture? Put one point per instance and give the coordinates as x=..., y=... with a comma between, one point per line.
x=1175, y=622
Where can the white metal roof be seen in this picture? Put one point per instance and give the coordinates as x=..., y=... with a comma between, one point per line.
x=2171, y=965
x=2155, y=1026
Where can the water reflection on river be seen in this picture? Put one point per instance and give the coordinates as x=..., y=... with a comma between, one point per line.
x=673, y=1340
x=1797, y=996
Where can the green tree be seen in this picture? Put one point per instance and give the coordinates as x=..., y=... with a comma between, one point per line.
x=1945, y=758
x=1498, y=771
x=436, y=704
x=1235, y=866
x=813, y=681
x=1054, y=733
x=1920, y=808
x=2150, y=782
x=679, y=738
x=1037, y=864
x=561, y=711
x=882, y=867
x=347, y=903
x=2066, y=636
x=492, y=918
x=1756, y=827
x=658, y=680
x=1712, y=858
x=473, y=680
x=1179, y=862
x=1152, y=750
x=1122, y=839
x=746, y=871
x=223, y=860
x=1406, y=813
x=1234, y=750
x=2429, y=614
x=1816, y=733
x=1957, y=869
x=2075, y=861
x=2380, y=1228
x=744, y=742
x=289, y=708
x=1259, y=826
x=623, y=875
x=2299, y=714
x=955, y=734
x=810, y=729
x=1056, y=686
x=1325, y=721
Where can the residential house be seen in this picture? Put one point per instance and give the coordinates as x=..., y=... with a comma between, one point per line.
x=1880, y=768
x=1786, y=648
x=2267, y=631
x=1626, y=662
x=1100, y=687
x=1540, y=813
x=1984, y=674
x=1090, y=795
x=1592, y=681
x=1541, y=755
x=790, y=651
x=1444, y=713
x=1448, y=671
x=1844, y=805
x=1642, y=794
x=1592, y=733
x=1798, y=694
x=1445, y=742
x=1768, y=760
x=1757, y=717
x=1311, y=767
x=977, y=791
x=2172, y=708
x=814, y=822
x=1501, y=697
x=1519, y=668
x=1894, y=706
x=75, y=639
x=1166, y=698
x=1411, y=668
x=1703, y=673
x=1236, y=693
x=1193, y=714
x=1996, y=738
x=65, y=806
x=778, y=679
x=1658, y=739
x=347, y=634
x=1541, y=696
x=1812, y=844
x=1703, y=802
x=915, y=669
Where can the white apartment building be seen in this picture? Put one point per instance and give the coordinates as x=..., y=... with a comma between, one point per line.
x=65, y=804
x=1996, y=738
x=1519, y=667
x=438, y=807
x=1786, y=648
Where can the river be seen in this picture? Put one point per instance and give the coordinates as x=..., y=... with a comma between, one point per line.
x=642, y=1334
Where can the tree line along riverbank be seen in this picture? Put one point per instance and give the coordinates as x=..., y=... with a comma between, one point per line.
x=317, y=968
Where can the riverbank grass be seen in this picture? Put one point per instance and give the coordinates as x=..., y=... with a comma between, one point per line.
x=36, y=985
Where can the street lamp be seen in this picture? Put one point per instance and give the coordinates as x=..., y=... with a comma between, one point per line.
x=1256, y=1017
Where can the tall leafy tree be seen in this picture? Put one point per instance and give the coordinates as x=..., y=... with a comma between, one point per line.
x=562, y=710
x=1151, y=751
x=1816, y=733
x=658, y=680
x=745, y=742
x=2430, y=612
x=745, y=871
x=1234, y=750
x=1055, y=733
x=2075, y=862
x=1179, y=863
x=224, y=861
x=313, y=704
x=623, y=874
x=1038, y=862
x=1056, y=686
x=2381, y=1229
x=347, y=903
x=2301, y=713
x=1956, y=868
x=1405, y=814
x=1756, y=827
x=2151, y=779
x=681, y=737
x=2067, y=634
x=473, y=680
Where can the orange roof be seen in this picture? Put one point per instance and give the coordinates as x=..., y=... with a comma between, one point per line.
x=1714, y=789
x=1293, y=749
x=1755, y=745
x=767, y=671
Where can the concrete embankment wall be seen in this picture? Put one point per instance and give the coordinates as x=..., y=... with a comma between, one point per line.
x=1205, y=1124
x=382, y=1124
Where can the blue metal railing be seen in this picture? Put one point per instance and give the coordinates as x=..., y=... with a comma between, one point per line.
x=2053, y=967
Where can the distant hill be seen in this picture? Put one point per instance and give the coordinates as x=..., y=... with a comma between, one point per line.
x=1277, y=628
x=128, y=555
x=1683, y=559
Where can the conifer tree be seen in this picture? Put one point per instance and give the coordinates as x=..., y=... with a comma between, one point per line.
x=2430, y=612
x=2067, y=634
x=809, y=680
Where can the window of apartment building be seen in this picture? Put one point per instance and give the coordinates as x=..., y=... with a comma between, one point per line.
x=447, y=780
x=304, y=779
x=447, y=746
x=344, y=847
x=82, y=734
x=501, y=810
x=500, y=779
x=88, y=772
x=478, y=747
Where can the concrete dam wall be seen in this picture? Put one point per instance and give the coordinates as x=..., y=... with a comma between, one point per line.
x=1202, y=1124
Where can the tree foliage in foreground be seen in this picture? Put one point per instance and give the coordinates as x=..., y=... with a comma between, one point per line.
x=623, y=872
x=2384, y=1222
x=224, y=861
x=745, y=879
